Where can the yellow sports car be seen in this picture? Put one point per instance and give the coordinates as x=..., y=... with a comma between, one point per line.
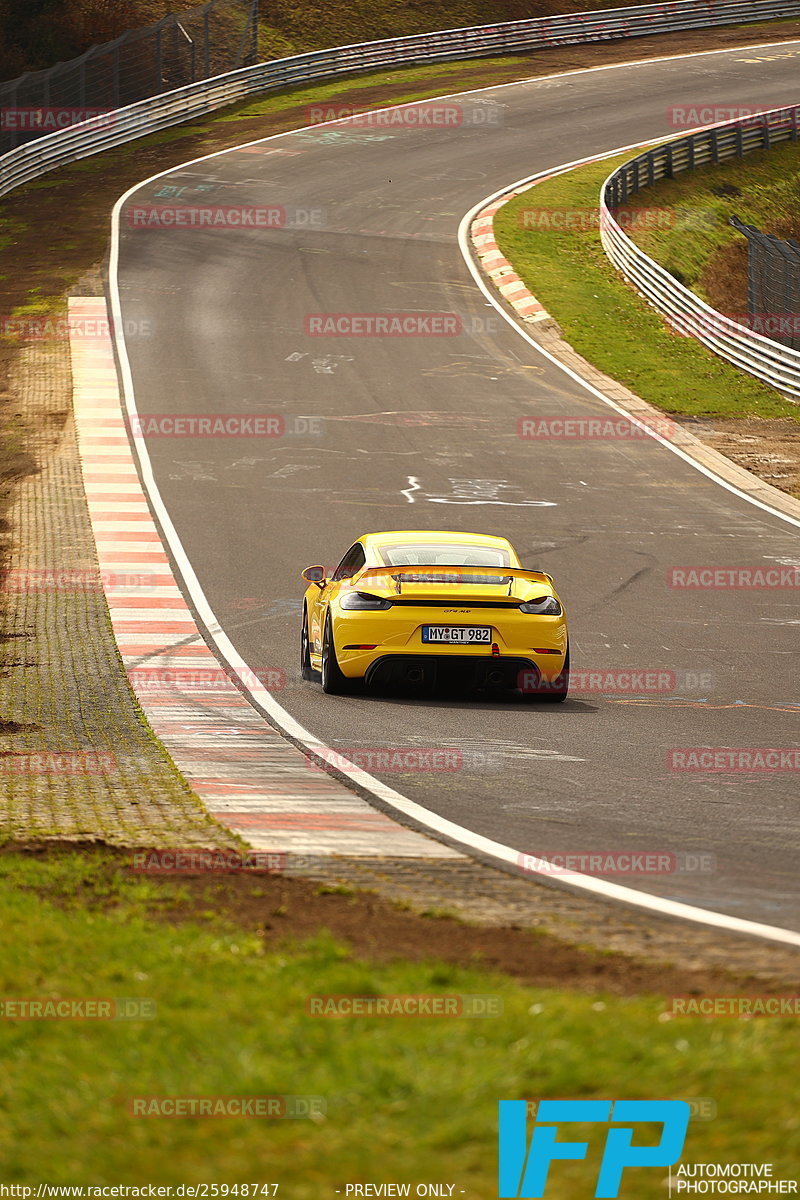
x=405, y=606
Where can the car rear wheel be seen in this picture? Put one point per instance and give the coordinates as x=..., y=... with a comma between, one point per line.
x=307, y=672
x=554, y=692
x=333, y=681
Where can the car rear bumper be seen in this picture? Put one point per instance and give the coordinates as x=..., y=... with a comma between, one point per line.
x=469, y=670
x=364, y=639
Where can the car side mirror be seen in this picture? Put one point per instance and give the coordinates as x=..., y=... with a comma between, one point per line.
x=314, y=575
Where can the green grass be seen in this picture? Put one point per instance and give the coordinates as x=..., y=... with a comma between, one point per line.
x=607, y=321
x=407, y=1099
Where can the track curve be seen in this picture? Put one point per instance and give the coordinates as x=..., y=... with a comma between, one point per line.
x=423, y=435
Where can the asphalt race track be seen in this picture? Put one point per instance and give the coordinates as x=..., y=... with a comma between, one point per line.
x=421, y=433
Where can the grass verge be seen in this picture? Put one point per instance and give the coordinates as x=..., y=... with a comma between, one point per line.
x=605, y=319
x=231, y=1020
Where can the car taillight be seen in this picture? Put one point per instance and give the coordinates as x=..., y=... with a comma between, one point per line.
x=363, y=602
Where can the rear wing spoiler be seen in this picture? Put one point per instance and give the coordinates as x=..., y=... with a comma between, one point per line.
x=433, y=574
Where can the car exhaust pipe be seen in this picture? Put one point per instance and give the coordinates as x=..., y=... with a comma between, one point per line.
x=415, y=675
x=495, y=678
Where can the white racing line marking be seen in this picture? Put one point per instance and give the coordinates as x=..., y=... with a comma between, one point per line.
x=283, y=720
x=504, y=503
x=413, y=486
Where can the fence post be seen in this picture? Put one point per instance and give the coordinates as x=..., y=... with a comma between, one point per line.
x=115, y=69
x=158, y=76
x=241, y=54
x=255, y=17
x=14, y=97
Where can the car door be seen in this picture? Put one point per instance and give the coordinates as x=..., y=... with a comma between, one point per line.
x=353, y=561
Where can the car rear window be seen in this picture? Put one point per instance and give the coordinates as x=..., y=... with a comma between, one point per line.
x=414, y=554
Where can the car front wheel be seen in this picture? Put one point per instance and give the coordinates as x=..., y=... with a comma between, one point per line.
x=307, y=672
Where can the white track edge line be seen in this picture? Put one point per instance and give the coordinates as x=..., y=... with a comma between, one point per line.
x=283, y=720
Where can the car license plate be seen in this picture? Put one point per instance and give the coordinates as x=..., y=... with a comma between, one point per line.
x=457, y=635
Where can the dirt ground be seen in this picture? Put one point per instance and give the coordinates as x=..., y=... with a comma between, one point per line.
x=768, y=448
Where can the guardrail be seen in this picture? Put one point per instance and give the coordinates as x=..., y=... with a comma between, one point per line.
x=774, y=364
x=34, y=159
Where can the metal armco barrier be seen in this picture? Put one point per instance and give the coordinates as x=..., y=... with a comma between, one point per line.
x=768, y=360
x=36, y=158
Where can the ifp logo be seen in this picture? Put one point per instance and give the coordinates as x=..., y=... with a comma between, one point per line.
x=523, y=1169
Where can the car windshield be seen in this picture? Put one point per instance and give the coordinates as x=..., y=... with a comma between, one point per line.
x=414, y=554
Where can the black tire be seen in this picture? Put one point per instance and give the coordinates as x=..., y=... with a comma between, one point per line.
x=307, y=672
x=334, y=683
x=552, y=693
